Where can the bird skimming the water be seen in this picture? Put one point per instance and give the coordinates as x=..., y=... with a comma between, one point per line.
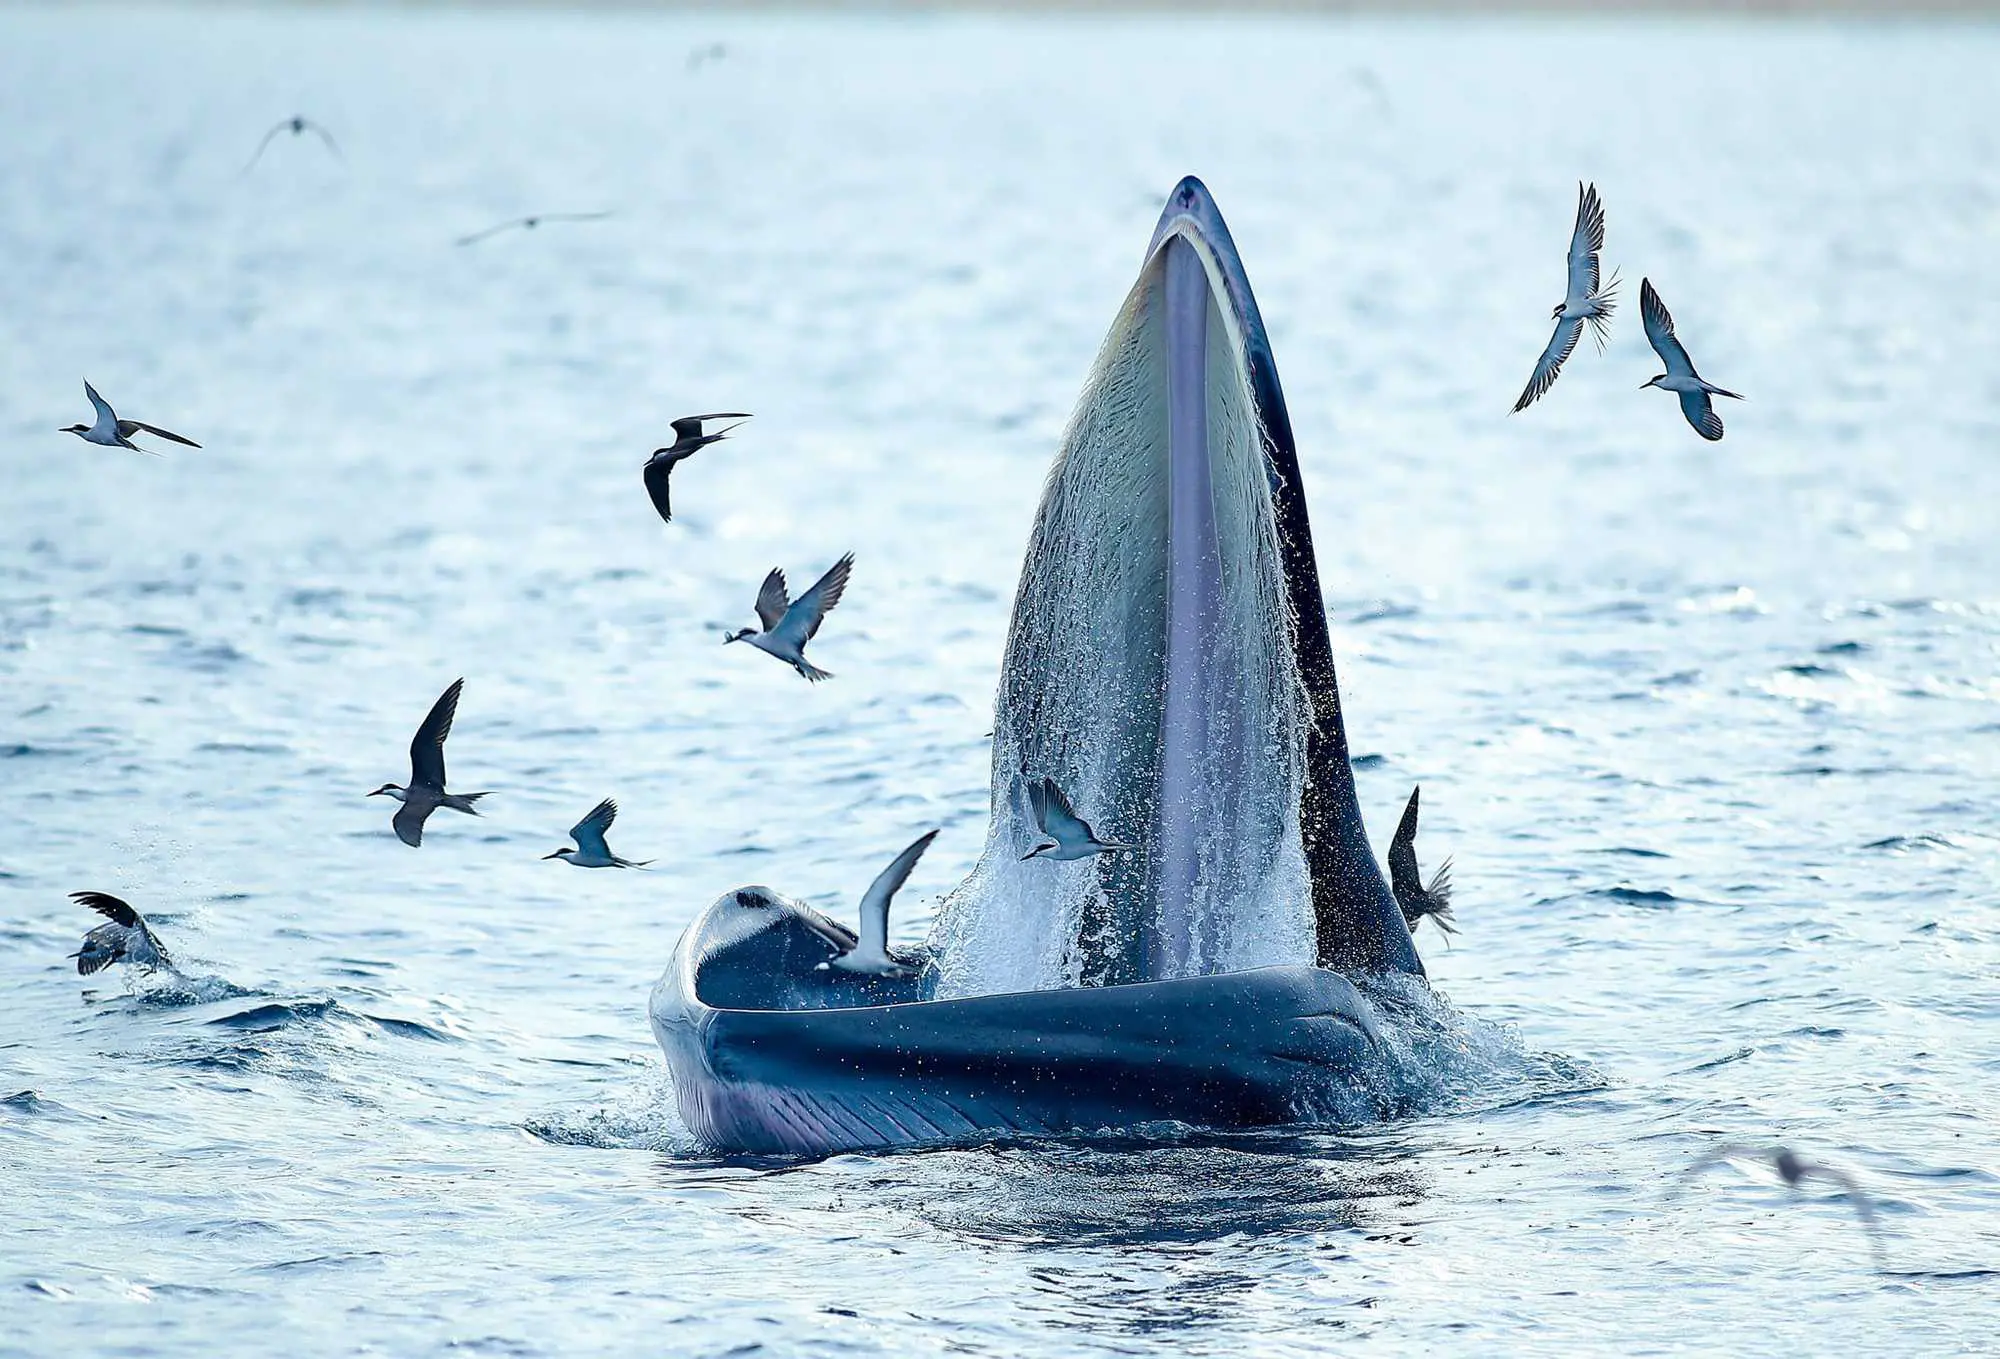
x=870, y=954
x=426, y=791
x=126, y=939
x=1794, y=1170
x=1407, y=882
x=297, y=127
x=530, y=223
x=1069, y=835
x=687, y=438
x=1680, y=377
x=112, y=432
x=788, y=624
x=591, y=851
x=1584, y=301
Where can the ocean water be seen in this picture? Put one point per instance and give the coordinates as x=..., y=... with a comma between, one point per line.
x=1711, y=731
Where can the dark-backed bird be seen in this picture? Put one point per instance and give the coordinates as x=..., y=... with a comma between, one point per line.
x=870, y=954
x=112, y=432
x=1794, y=1170
x=426, y=792
x=688, y=437
x=125, y=939
x=591, y=851
x=530, y=223
x=297, y=127
x=789, y=624
x=1680, y=377
x=1583, y=302
x=1407, y=882
x=1069, y=835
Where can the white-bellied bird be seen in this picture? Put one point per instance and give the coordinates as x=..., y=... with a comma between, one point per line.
x=870, y=954
x=591, y=851
x=1583, y=301
x=789, y=624
x=1069, y=836
x=1680, y=377
x=112, y=432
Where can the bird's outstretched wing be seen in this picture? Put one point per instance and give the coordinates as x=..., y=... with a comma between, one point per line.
x=128, y=428
x=1038, y=803
x=103, y=407
x=258, y=154
x=326, y=137
x=1700, y=412
x=108, y=906
x=409, y=819
x=658, y=471
x=1058, y=817
x=875, y=901
x=1404, y=879
x=1659, y=323
x=802, y=619
x=530, y=223
x=589, y=832
x=773, y=600
x=689, y=426
x=427, y=749
x=1586, y=240
x=1549, y=367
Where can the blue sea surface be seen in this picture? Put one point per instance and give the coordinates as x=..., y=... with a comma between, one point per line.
x=1711, y=731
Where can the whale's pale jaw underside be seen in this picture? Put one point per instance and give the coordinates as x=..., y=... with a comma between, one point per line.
x=1169, y=666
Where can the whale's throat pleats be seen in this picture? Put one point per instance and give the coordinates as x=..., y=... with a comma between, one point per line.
x=1150, y=672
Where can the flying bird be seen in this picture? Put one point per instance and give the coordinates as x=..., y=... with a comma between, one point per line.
x=125, y=939
x=870, y=953
x=789, y=625
x=1069, y=835
x=1407, y=883
x=426, y=791
x=700, y=56
x=112, y=432
x=1584, y=301
x=687, y=438
x=591, y=851
x=1680, y=377
x=530, y=223
x=1794, y=1170
x=297, y=127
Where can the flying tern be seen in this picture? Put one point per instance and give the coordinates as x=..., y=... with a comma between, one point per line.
x=112, y=432
x=790, y=624
x=591, y=851
x=1583, y=302
x=426, y=792
x=688, y=437
x=1680, y=377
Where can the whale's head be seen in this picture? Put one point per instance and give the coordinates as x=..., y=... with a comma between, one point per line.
x=1168, y=666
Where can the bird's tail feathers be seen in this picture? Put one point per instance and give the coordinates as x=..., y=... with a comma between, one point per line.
x=1439, y=890
x=1714, y=390
x=813, y=672
x=462, y=802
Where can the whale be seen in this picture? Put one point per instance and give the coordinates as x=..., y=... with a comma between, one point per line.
x=1169, y=665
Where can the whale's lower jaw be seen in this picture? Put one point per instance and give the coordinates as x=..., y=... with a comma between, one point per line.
x=1254, y=1049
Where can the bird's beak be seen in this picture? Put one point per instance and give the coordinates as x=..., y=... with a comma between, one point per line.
x=557, y=855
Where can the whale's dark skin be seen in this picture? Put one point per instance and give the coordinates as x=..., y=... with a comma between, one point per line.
x=830, y=1063
x=772, y=1052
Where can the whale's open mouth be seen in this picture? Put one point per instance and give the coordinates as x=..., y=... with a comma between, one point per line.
x=1168, y=667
